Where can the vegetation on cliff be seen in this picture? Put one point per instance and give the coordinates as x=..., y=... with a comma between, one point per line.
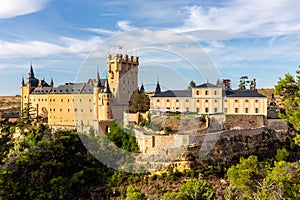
x=289, y=89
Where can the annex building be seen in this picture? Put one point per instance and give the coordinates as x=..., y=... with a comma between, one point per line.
x=208, y=98
x=95, y=103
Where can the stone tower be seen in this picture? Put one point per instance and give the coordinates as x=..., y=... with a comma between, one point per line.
x=27, y=87
x=122, y=77
x=104, y=110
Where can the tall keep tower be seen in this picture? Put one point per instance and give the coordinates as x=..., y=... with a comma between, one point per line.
x=123, y=81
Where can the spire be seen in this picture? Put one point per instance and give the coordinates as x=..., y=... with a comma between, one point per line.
x=23, y=83
x=142, y=89
x=107, y=89
x=98, y=80
x=51, y=83
x=31, y=74
x=157, y=89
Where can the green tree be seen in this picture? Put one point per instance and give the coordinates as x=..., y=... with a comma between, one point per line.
x=122, y=139
x=6, y=139
x=288, y=89
x=244, y=175
x=282, y=154
x=140, y=102
x=197, y=189
x=27, y=116
x=174, y=196
x=191, y=85
x=286, y=176
x=56, y=166
x=243, y=82
x=134, y=194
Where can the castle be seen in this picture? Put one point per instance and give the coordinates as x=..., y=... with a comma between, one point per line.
x=96, y=103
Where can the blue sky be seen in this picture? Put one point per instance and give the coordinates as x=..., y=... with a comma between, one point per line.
x=257, y=38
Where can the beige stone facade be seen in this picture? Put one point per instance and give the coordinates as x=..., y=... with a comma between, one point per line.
x=94, y=104
x=210, y=99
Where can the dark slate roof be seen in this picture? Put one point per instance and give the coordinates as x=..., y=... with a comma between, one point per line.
x=242, y=93
x=73, y=88
x=207, y=85
x=43, y=83
x=41, y=90
x=174, y=93
x=68, y=88
x=33, y=82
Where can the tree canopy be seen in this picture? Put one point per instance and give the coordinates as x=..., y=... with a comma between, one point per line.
x=140, y=102
x=288, y=88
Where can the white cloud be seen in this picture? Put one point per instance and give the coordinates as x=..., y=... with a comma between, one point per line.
x=36, y=49
x=101, y=31
x=13, y=8
x=125, y=25
x=245, y=18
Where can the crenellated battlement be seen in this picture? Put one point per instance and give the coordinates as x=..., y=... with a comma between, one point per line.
x=119, y=58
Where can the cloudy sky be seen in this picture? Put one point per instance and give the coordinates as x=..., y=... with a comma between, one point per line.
x=260, y=39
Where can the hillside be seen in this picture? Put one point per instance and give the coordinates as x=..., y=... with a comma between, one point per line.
x=268, y=93
x=10, y=103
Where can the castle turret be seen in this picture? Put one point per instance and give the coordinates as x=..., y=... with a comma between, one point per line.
x=105, y=116
x=22, y=83
x=51, y=83
x=142, y=89
x=31, y=74
x=157, y=89
x=31, y=80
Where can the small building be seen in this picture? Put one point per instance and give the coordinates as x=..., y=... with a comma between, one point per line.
x=208, y=98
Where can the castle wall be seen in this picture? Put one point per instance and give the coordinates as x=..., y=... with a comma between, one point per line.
x=244, y=121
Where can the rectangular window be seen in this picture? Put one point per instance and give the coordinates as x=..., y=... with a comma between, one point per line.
x=256, y=110
x=75, y=110
x=197, y=110
x=236, y=110
x=197, y=93
x=153, y=141
x=215, y=92
x=225, y=110
x=206, y=110
x=246, y=110
x=216, y=110
x=206, y=92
